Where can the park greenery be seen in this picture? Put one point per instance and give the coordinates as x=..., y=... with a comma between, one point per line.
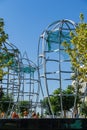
x=6, y=56
x=77, y=50
x=6, y=102
x=67, y=101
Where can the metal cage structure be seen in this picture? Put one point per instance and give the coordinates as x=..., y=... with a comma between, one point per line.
x=18, y=80
x=30, y=85
x=54, y=63
x=10, y=81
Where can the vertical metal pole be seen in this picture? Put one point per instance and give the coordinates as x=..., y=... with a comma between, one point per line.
x=60, y=74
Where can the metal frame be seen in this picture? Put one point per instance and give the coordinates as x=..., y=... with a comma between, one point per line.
x=46, y=56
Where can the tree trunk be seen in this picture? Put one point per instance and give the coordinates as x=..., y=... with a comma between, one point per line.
x=64, y=113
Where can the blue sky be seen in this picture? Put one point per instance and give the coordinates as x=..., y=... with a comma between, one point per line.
x=25, y=20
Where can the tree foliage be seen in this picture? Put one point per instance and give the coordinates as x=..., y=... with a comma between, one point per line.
x=6, y=102
x=6, y=57
x=77, y=50
x=84, y=109
x=67, y=100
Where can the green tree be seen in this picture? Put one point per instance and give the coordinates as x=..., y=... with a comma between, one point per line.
x=6, y=57
x=6, y=102
x=77, y=49
x=1, y=92
x=84, y=109
x=67, y=101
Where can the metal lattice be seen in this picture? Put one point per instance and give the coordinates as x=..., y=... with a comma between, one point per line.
x=55, y=67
